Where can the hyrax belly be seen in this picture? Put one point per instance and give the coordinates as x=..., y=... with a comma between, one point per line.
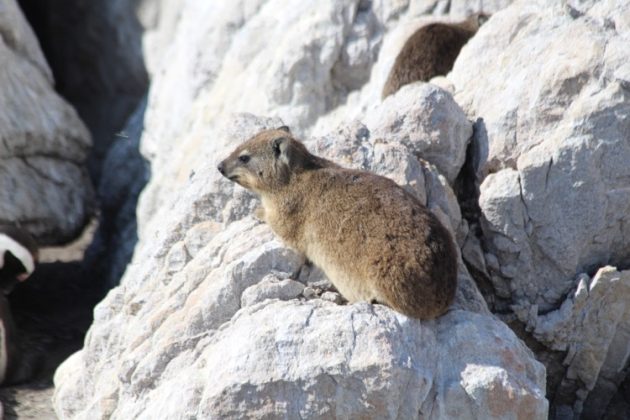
x=348, y=281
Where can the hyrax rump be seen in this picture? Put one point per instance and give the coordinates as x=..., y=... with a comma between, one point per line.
x=374, y=241
x=431, y=51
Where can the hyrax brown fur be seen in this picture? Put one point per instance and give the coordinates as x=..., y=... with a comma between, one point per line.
x=431, y=51
x=374, y=241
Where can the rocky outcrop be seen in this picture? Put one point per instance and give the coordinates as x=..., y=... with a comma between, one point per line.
x=546, y=235
x=203, y=286
x=552, y=88
x=43, y=144
x=207, y=277
x=592, y=326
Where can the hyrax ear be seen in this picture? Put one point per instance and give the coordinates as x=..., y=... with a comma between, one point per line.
x=280, y=148
x=284, y=128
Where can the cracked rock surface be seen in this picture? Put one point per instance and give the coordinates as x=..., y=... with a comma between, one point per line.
x=547, y=87
x=522, y=151
x=207, y=321
x=550, y=84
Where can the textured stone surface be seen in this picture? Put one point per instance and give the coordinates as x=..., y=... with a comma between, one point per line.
x=557, y=201
x=271, y=287
x=427, y=120
x=593, y=327
x=43, y=144
x=550, y=86
x=376, y=365
x=206, y=321
x=181, y=302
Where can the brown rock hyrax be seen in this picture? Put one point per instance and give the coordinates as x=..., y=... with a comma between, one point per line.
x=431, y=51
x=374, y=241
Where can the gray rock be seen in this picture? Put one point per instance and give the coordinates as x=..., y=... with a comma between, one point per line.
x=194, y=331
x=95, y=51
x=592, y=327
x=309, y=292
x=43, y=144
x=554, y=205
x=176, y=312
x=549, y=84
x=378, y=364
x=427, y=120
x=332, y=297
x=271, y=287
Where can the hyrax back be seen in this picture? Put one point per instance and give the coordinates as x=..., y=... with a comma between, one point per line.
x=431, y=51
x=374, y=240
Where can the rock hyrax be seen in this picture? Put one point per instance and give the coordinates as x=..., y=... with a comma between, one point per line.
x=431, y=51
x=374, y=241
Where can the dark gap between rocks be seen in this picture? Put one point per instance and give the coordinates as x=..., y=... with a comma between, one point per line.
x=466, y=188
x=94, y=49
x=551, y=359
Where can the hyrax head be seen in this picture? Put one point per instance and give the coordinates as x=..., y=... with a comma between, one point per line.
x=267, y=161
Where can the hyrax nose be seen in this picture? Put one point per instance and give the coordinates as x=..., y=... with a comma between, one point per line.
x=221, y=168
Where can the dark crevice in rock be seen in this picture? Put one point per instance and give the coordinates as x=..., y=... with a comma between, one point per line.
x=95, y=53
x=466, y=188
x=619, y=406
x=553, y=360
x=125, y=173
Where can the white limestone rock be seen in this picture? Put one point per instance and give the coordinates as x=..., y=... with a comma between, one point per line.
x=193, y=332
x=312, y=65
x=427, y=120
x=317, y=359
x=271, y=287
x=167, y=327
x=549, y=84
x=592, y=326
x=557, y=201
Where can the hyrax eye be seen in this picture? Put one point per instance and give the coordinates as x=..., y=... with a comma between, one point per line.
x=244, y=158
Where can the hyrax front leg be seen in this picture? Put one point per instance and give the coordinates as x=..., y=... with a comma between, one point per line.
x=303, y=268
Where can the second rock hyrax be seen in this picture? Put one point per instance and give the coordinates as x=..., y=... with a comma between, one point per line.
x=374, y=241
x=431, y=51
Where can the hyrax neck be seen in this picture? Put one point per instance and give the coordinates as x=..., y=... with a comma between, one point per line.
x=284, y=211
